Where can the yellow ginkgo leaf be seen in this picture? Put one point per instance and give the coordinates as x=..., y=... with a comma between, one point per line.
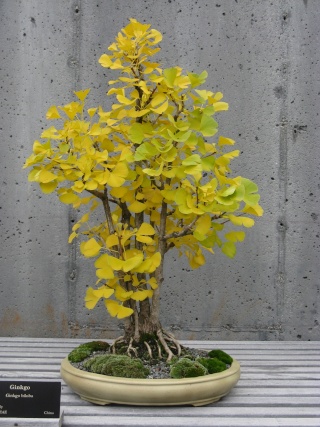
x=154, y=172
x=123, y=100
x=90, y=248
x=50, y=133
x=112, y=240
x=119, y=192
x=105, y=273
x=40, y=148
x=196, y=260
x=105, y=61
x=145, y=239
x=225, y=141
x=82, y=94
x=53, y=113
x=71, y=109
x=103, y=292
x=146, y=229
x=220, y=106
x=203, y=224
x=102, y=261
x=115, y=263
x=121, y=294
x=241, y=220
x=158, y=99
x=143, y=234
x=132, y=263
x=46, y=176
x=161, y=109
x=137, y=207
x=153, y=283
x=91, y=299
x=142, y=295
x=91, y=185
x=92, y=111
x=115, y=180
x=118, y=175
x=72, y=236
x=156, y=260
x=117, y=310
x=253, y=210
x=149, y=265
x=144, y=267
x=69, y=198
x=229, y=249
x=49, y=187
x=130, y=253
x=124, y=312
x=135, y=281
x=235, y=236
x=199, y=259
x=93, y=296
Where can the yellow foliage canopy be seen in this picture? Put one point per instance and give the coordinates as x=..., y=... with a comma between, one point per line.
x=153, y=166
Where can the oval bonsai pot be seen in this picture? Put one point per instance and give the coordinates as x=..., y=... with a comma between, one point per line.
x=103, y=389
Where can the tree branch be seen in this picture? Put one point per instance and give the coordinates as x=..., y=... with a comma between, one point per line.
x=96, y=193
x=107, y=211
x=185, y=231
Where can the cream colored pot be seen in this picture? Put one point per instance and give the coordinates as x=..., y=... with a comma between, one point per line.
x=103, y=389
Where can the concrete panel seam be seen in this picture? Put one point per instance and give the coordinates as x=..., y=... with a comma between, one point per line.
x=72, y=275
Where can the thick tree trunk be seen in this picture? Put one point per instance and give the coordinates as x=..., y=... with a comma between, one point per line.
x=144, y=328
x=139, y=327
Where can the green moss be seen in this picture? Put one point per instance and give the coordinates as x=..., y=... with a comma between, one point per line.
x=95, y=363
x=186, y=368
x=116, y=366
x=85, y=350
x=213, y=365
x=221, y=355
x=173, y=360
x=188, y=356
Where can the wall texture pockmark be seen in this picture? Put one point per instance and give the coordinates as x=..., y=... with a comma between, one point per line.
x=264, y=56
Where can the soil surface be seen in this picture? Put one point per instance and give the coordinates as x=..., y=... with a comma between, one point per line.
x=158, y=369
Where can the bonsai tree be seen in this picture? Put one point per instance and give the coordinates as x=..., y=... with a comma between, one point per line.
x=163, y=182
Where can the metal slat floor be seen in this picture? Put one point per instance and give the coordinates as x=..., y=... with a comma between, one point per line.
x=279, y=386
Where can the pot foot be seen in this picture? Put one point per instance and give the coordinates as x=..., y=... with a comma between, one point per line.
x=95, y=401
x=206, y=402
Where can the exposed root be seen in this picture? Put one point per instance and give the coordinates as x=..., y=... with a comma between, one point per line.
x=159, y=350
x=165, y=345
x=175, y=342
x=148, y=348
x=162, y=344
x=117, y=341
x=132, y=349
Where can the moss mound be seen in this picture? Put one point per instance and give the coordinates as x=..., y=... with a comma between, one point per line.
x=85, y=350
x=116, y=366
x=186, y=368
x=213, y=365
x=221, y=355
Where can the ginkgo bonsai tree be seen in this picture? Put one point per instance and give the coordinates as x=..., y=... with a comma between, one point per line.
x=162, y=180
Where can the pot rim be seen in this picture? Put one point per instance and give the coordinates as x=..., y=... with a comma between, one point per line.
x=67, y=367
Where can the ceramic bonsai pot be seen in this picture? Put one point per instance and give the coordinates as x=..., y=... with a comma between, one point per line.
x=103, y=390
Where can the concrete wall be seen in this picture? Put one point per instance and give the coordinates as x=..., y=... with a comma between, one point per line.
x=264, y=56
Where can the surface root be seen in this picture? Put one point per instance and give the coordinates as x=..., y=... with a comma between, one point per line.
x=164, y=344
